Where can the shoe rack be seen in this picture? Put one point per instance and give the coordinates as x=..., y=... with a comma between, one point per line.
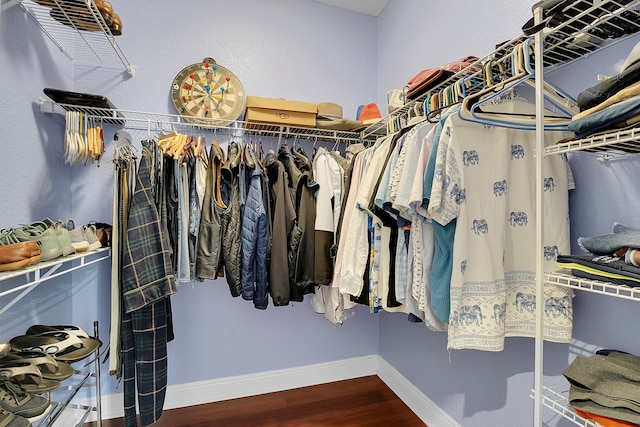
x=47, y=270
x=77, y=28
x=61, y=401
x=64, y=412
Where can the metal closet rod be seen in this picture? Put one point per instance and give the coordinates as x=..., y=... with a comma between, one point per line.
x=172, y=122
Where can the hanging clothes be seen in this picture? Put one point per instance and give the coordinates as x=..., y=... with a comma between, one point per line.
x=483, y=179
x=147, y=283
x=209, y=250
x=171, y=202
x=255, y=240
x=328, y=170
x=424, y=240
x=330, y=176
x=231, y=220
x=125, y=169
x=444, y=234
x=411, y=165
x=395, y=268
x=283, y=218
x=182, y=259
x=303, y=191
x=356, y=242
x=197, y=183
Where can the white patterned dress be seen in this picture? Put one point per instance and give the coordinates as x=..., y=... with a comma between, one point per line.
x=485, y=177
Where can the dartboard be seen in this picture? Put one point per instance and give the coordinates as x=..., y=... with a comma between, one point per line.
x=209, y=94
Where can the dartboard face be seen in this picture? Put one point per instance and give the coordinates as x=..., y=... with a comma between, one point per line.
x=208, y=94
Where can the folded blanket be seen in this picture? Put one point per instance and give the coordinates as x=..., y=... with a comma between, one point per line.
x=605, y=118
x=606, y=385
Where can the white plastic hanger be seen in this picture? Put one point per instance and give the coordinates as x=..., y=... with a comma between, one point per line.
x=523, y=75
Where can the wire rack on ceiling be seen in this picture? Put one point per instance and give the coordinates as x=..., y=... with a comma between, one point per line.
x=79, y=30
x=161, y=122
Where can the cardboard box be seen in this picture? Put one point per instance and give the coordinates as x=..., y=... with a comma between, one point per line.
x=281, y=111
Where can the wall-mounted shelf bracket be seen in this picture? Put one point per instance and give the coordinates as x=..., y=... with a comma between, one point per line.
x=48, y=270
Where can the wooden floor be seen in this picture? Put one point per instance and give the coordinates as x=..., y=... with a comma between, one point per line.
x=363, y=401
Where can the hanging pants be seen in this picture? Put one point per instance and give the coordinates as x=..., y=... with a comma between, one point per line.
x=145, y=333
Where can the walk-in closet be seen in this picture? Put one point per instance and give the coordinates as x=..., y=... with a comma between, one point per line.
x=205, y=201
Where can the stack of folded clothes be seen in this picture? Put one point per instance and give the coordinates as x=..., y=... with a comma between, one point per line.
x=614, y=257
x=612, y=104
x=605, y=387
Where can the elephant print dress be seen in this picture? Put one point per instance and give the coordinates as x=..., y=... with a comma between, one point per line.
x=485, y=177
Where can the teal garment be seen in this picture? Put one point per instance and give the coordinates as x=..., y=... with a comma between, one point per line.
x=441, y=269
x=431, y=164
x=443, y=235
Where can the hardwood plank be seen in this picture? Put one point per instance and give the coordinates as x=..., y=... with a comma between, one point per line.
x=361, y=402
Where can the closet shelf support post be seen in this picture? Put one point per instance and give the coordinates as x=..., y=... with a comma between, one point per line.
x=539, y=340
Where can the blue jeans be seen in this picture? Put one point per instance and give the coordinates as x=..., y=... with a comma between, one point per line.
x=621, y=237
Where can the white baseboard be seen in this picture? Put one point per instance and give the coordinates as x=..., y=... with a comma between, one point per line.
x=285, y=379
x=417, y=401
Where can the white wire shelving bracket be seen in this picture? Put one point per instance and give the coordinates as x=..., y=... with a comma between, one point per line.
x=603, y=288
x=47, y=270
x=611, y=145
x=555, y=398
x=79, y=32
x=161, y=122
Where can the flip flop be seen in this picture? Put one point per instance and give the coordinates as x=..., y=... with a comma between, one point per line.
x=50, y=368
x=70, y=329
x=28, y=376
x=74, y=330
x=58, y=344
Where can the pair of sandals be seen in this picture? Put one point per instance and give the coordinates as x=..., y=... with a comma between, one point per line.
x=40, y=359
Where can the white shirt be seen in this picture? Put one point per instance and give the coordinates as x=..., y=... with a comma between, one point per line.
x=485, y=178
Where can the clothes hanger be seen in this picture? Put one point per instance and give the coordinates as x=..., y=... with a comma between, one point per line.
x=201, y=151
x=497, y=91
x=69, y=141
x=98, y=143
x=167, y=141
x=78, y=138
x=417, y=118
x=187, y=150
x=247, y=155
x=170, y=145
x=198, y=148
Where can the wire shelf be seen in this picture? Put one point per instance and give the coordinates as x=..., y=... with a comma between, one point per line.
x=161, y=122
x=79, y=30
x=590, y=29
x=625, y=141
x=592, y=26
x=556, y=399
x=595, y=286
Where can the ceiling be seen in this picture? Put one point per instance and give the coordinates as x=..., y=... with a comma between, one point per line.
x=369, y=7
